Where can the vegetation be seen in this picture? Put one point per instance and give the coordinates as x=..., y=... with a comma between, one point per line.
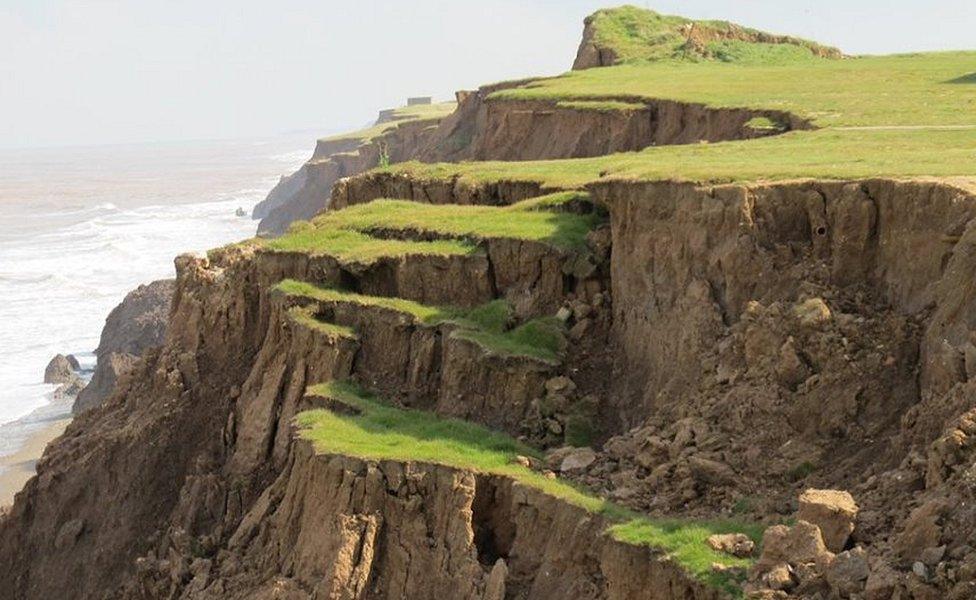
x=640, y=35
x=404, y=114
x=487, y=325
x=601, y=105
x=306, y=316
x=348, y=246
x=345, y=233
x=383, y=432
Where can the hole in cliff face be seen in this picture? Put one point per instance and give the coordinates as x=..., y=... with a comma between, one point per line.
x=822, y=230
x=349, y=281
x=494, y=531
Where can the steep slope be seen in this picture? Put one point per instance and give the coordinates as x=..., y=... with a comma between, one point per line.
x=692, y=353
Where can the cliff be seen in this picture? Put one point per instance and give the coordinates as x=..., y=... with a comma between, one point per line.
x=637, y=314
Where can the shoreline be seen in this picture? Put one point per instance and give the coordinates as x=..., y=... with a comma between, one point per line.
x=17, y=468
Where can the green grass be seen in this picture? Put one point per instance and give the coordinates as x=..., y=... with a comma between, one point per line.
x=824, y=154
x=403, y=114
x=882, y=116
x=345, y=233
x=306, y=317
x=600, y=105
x=349, y=246
x=384, y=432
x=486, y=325
x=640, y=35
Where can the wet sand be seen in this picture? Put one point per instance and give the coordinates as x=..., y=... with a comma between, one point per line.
x=17, y=468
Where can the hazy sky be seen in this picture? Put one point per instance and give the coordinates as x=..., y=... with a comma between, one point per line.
x=102, y=71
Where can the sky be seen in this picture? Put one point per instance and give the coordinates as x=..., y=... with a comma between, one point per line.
x=102, y=71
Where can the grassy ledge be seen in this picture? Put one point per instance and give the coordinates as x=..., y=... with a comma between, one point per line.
x=486, y=325
x=383, y=432
x=345, y=233
x=600, y=105
x=305, y=316
x=350, y=246
x=404, y=114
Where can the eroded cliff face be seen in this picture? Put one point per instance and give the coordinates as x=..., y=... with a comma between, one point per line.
x=189, y=482
x=492, y=128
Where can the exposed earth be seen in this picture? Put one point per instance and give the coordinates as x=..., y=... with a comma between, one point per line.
x=636, y=331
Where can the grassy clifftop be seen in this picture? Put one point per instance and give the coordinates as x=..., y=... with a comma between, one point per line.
x=636, y=35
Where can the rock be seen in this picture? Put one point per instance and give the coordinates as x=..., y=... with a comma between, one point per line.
x=134, y=326
x=881, y=584
x=736, y=544
x=919, y=568
x=848, y=572
x=108, y=371
x=560, y=385
x=833, y=511
x=73, y=361
x=495, y=587
x=812, y=313
x=554, y=458
x=791, y=370
x=564, y=313
x=709, y=471
x=802, y=543
x=578, y=460
x=780, y=577
x=523, y=461
x=139, y=322
x=578, y=331
x=59, y=370
x=932, y=555
x=922, y=530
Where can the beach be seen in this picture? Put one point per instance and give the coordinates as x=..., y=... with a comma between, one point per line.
x=17, y=468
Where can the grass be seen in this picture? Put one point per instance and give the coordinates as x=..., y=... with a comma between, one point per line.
x=345, y=233
x=383, y=432
x=306, y=317
x=823, y=154
x=403, y=114
x=640, y=35
x=486, y=325
x=899, y=116
x=908, y=89
x=349, y=246
x=601, y=105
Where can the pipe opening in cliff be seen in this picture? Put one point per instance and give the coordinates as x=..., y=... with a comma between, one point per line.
x=494, y=531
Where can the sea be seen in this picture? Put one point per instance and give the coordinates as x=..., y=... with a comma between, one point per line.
x=82, y=226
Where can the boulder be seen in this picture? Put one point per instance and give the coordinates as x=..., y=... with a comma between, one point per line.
x=736, y=544
x=833, y=511
x=848, y=572
x=801, y=544
x=60, y=370
x=577, y=460
x=812, y=313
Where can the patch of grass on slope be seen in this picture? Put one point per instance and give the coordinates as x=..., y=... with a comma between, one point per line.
x=384, y=432
x=345, y=232
x=486, y=325
x=306, y=317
